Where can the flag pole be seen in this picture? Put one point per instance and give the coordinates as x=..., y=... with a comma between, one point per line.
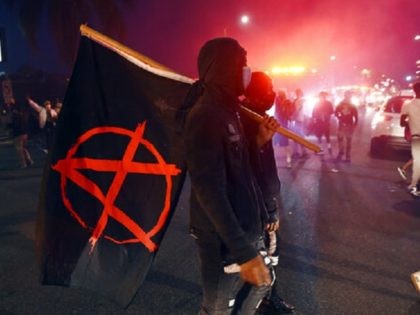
x=111, y=43
x=285, y=132
x=132, y=55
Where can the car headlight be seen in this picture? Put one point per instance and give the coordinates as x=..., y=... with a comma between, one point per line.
x=378, y=118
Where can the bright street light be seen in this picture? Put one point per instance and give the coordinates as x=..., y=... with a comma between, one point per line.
x=244, y=19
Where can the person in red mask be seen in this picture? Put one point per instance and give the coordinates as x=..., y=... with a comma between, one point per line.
x=260, y=97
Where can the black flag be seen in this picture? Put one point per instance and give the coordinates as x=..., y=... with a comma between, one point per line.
x=114, y=175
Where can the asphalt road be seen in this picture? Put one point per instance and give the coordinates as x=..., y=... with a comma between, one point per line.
x=350, y=240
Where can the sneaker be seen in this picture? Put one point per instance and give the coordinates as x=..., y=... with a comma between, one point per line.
x=415, y=279
x=413, y=191
x=402, y=173
x=347, y=160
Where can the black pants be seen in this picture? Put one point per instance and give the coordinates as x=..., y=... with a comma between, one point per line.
x=220, y=289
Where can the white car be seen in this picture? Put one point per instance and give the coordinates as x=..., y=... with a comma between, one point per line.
x=386, y=129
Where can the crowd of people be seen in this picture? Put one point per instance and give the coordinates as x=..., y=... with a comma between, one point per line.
x=291, y=115
x=46, y=115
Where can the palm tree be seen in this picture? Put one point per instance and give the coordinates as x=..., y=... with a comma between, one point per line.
x=64, y=18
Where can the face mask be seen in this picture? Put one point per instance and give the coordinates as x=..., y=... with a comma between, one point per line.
x=269, y=99
x=246, y=76
x=265, y=102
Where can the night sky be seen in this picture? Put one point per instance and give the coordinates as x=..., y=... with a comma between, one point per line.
x=363, y=33
x=374, y=34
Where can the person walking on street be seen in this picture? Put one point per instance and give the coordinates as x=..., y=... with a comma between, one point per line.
x=321, y=116
x=259, y=98
x=410, y=115
x=283, y=113
x=298, y=123
x=47, y=117
x=225, y=205
x=347, y=116
x=20, y=127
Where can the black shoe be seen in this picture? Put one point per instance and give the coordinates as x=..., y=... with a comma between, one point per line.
x=275, y=305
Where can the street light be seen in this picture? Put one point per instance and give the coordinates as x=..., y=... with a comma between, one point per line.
x=244, y=19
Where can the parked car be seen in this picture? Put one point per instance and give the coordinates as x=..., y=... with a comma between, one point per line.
x=386, y=129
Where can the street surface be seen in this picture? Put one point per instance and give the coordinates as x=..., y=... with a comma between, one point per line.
x=350, y=240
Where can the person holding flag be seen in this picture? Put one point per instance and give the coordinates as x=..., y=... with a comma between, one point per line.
x=227, y=208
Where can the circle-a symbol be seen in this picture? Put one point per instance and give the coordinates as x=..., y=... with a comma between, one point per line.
x=69, y=169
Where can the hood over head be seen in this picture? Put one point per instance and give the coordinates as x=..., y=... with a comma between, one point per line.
x=220, y=64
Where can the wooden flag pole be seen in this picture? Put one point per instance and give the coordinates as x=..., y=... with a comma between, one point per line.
x=285, y=132
x=111, y=43
x=133, y=56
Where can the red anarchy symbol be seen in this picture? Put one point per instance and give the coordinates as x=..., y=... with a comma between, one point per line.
x=69, y=169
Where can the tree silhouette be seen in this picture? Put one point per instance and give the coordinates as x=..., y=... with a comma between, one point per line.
x=64, y=18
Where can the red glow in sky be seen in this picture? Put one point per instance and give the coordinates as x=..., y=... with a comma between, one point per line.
x=366, y=34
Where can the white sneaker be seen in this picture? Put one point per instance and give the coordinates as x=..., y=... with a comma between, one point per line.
x=413, y=191
x=402, y=173
x=415, y=279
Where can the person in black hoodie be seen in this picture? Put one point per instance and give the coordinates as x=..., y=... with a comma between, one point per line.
x=20, y=129
x=347, y=116
x=260, y=97
x=226, y=205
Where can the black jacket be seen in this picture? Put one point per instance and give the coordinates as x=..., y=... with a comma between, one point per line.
x=225, y=198
x=264, y=166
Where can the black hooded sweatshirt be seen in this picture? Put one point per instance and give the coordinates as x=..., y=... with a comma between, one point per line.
x=225, y=199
